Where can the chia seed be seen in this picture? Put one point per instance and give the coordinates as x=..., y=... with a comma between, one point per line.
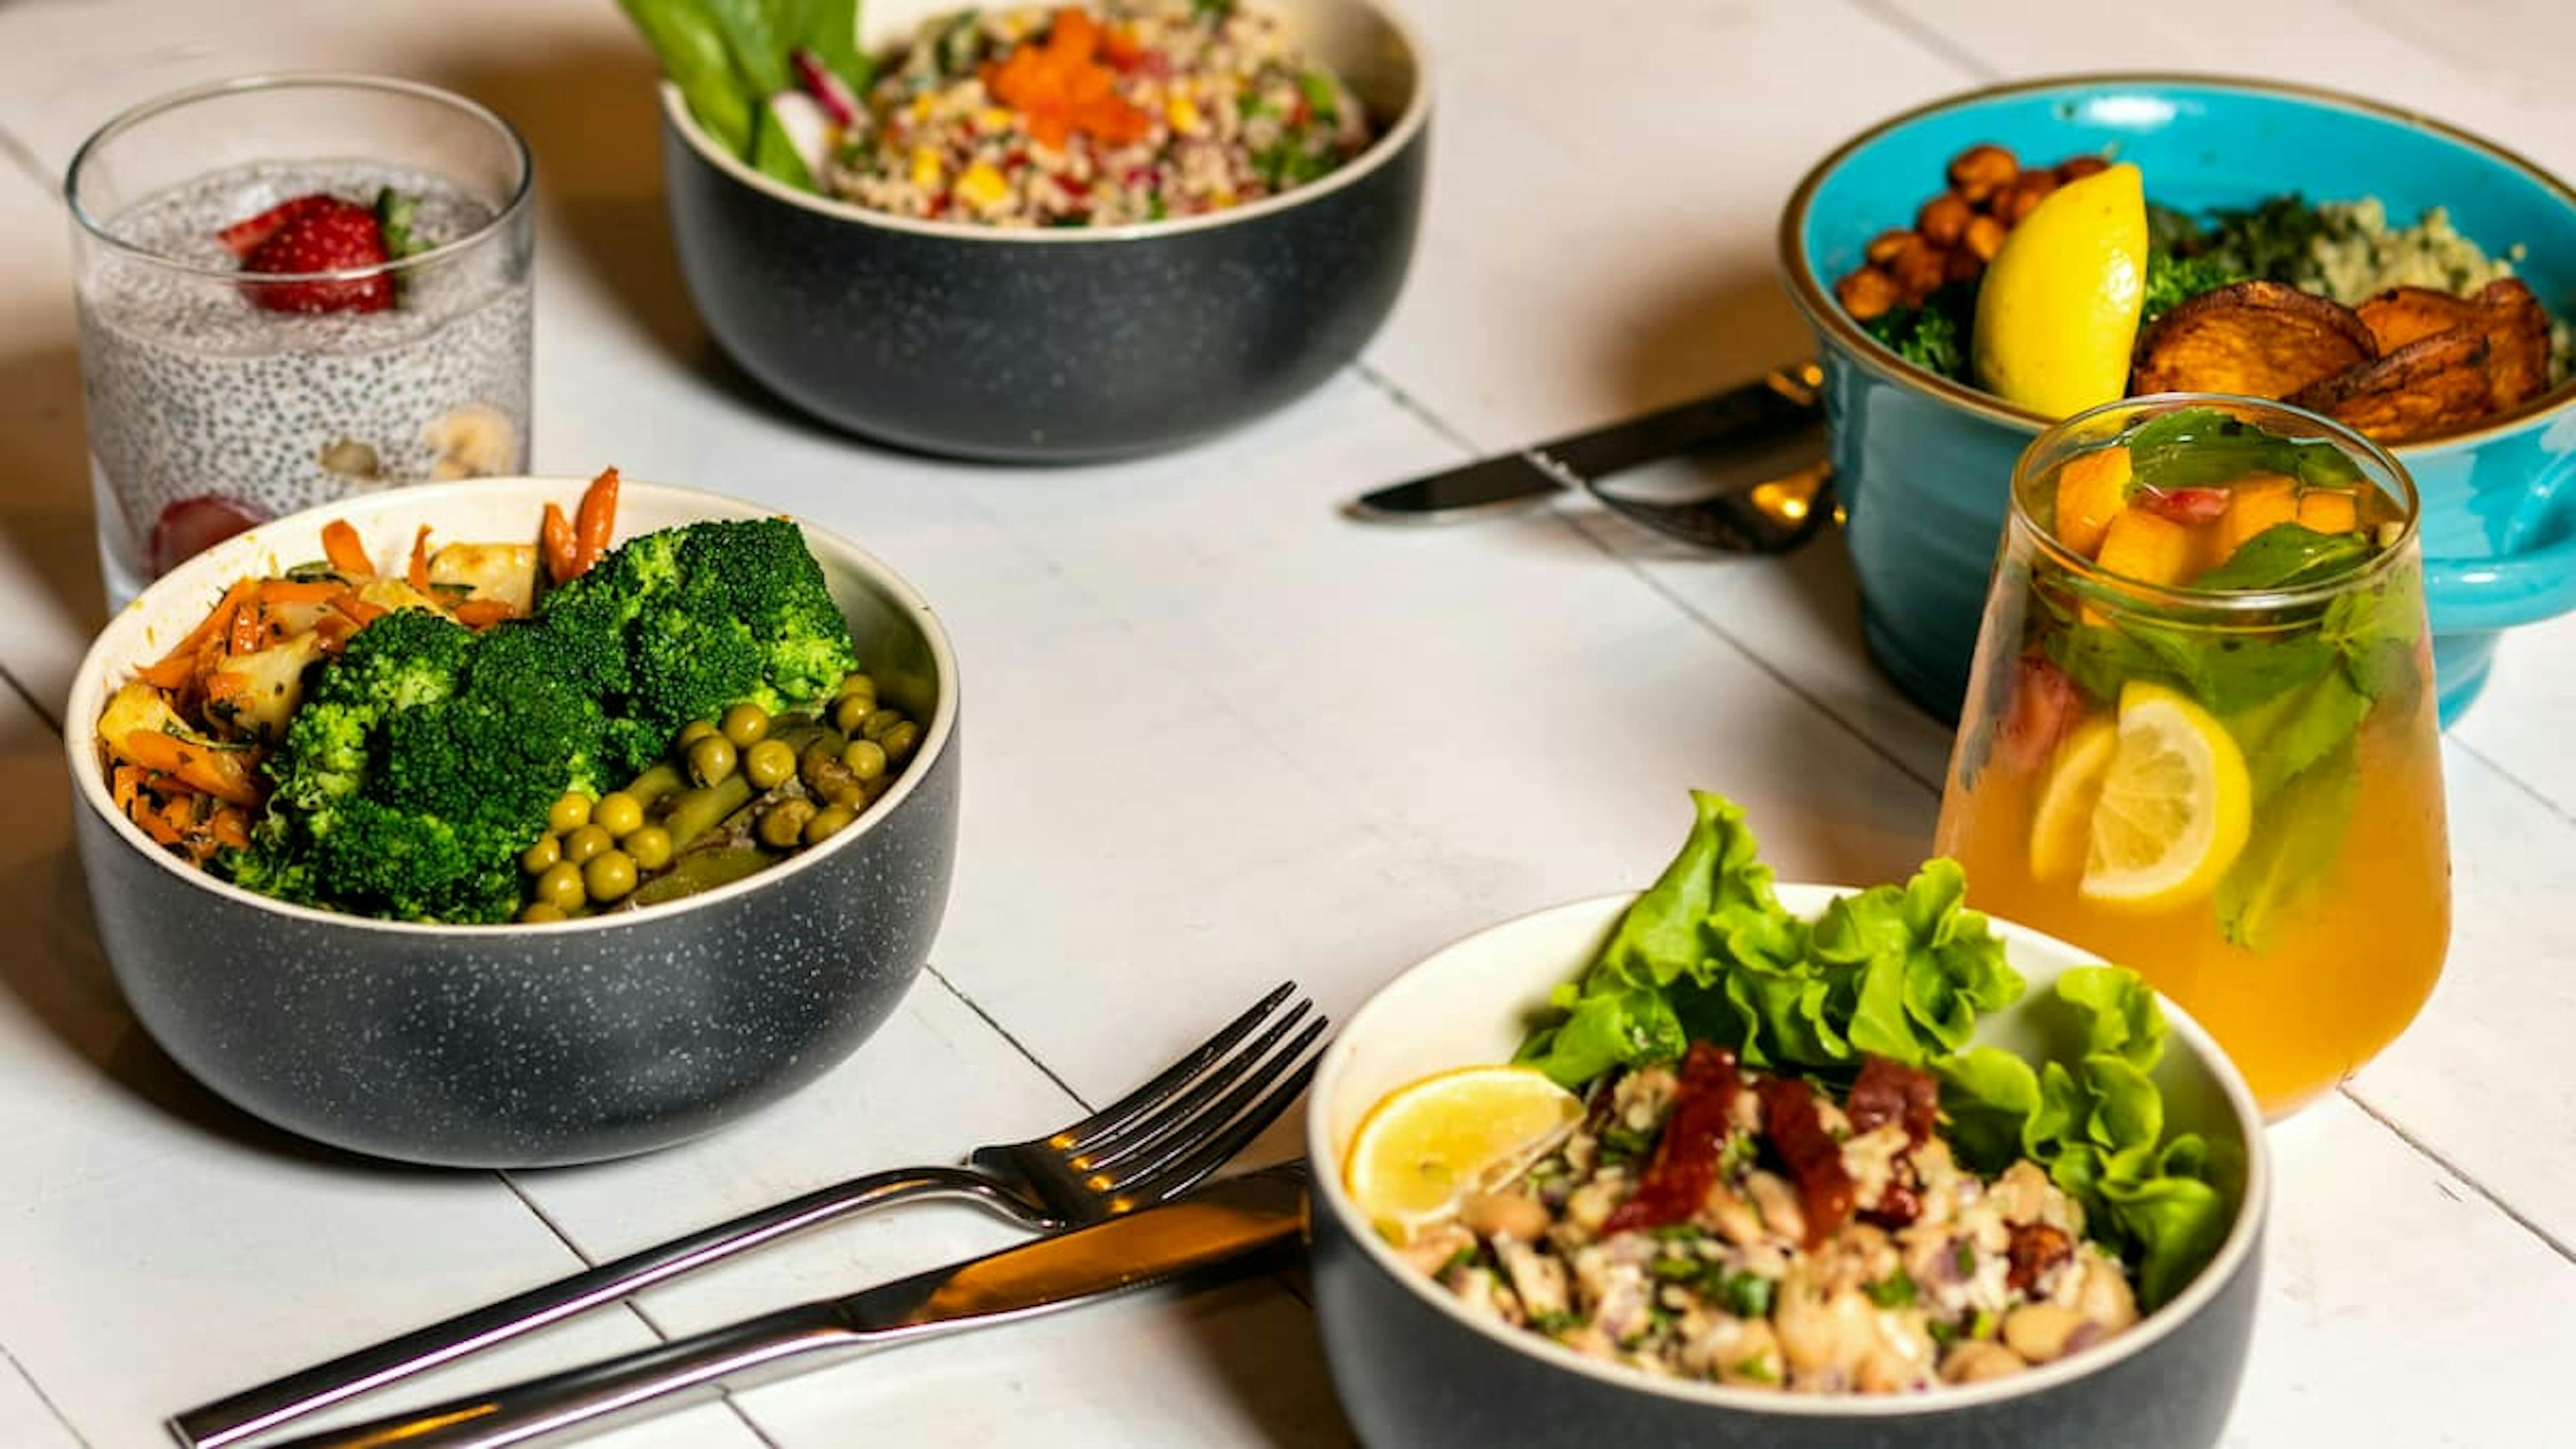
x=193, y=392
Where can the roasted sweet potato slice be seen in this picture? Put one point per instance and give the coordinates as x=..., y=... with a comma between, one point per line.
x=2432, y=385
x=2262, y=339
x=2404, y=314
x=2517, y=333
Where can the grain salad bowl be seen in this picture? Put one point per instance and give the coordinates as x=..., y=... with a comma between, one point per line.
x=1060, y=345
x=1924, y=461
x=525, y=1045
x=1415, y=1367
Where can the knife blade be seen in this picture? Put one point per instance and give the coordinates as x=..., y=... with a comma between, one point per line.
x=1784, y=402
x=1217, y=1225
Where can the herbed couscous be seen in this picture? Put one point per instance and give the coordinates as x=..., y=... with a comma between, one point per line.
x=1705, y=1222
x=1128, y=111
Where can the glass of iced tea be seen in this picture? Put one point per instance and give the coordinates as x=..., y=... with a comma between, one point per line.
x=2200, y=738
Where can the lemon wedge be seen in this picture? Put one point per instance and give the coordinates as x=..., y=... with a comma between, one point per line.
x=2174, y=807
x=1428, y=1142
x=2057, y=314
x=2061, y=830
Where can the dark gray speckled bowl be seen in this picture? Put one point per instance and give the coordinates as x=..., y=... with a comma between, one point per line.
x=1070, y=344
x=523, y=1046
x=1416, y=1370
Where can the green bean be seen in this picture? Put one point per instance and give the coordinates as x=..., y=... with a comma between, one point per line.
x=701, y=870
x=693, y=813
x=655, y=783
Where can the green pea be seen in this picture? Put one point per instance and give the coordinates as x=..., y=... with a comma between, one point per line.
x=537, y=858
x=711, y=759
x=769, y=763
x=690, y=733
x=782, y=825
x=583, y=844
x=561, y=887
x=535, y=911
x=609, y=876
x=618, y=813
x=866, y=759
x=568, y=813
x=651, y=847
x=851, y=711
x=857, y=681
x=879, y=721
x=828, y=822
x=746, y=724
x=899, y=742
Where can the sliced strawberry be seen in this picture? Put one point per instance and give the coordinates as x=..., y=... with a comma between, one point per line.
x=2187, y=506
x=192, y=525
x=2045, y=705
x=330, y=236
x=243, y=237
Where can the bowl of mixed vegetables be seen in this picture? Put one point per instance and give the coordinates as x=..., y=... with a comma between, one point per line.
x=1987, y=264
x=1041, y=233
x=1735, y=1162
x=517, y=822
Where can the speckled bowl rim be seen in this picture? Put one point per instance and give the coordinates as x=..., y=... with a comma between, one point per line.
x=1806, y=900
x=503, y=215
x=1391, y=142
x=209, y=572
x=1824, y=313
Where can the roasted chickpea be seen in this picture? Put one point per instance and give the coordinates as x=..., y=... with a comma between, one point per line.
x=782, y=825
x=1982, y=170
x=568, y=813
x=746, y=724
x=2076, y=168
x=618, y=813
x=561, y=887
x=589, y=840
x=537, y=859
x=1868, y=294
x=1943, y=219
x=711, y=759
x=1984, y=238
x=2024, y=196
x=1918, y=270
x=1887, y=244
x=1962, y=265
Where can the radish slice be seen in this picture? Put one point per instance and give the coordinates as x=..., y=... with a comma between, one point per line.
x=800, y=121
x=826, y=88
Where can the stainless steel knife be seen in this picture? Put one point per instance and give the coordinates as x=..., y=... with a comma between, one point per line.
x=1776, y=408
x=1216, y=1225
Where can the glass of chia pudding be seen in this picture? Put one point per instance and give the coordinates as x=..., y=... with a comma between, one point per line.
x=293, y=289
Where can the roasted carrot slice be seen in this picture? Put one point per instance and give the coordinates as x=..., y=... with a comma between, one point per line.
x=596, y=520
x=249, y=623
x=555, y=542
x=483, y=613
x=223, y=774
x=341, y=545
x=417, y=575
x=230, y=826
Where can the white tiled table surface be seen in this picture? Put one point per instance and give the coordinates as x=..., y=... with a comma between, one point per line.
x=1222, y=736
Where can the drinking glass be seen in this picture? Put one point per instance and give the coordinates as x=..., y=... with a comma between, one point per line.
x=215, y=402
x=2200, y=737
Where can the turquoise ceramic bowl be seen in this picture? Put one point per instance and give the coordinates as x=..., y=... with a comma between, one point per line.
x=1924, y=463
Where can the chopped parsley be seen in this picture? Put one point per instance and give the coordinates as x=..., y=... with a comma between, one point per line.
x=1747, y=1295
x=1556, y=1322
x=1893, y=1291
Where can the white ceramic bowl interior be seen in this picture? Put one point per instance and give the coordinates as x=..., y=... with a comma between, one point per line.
x=1471, y=1003
x=914, y=665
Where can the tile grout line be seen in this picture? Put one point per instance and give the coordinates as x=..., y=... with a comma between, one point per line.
x=1928, y=38
x=2526, y=788
x=33, y=1387
x=27, y=697
x=26, y=163
x=1005, y=1033
x=2442, y=1160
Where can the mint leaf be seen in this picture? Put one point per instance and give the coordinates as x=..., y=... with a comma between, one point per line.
x=2285, y=556
x=2298, y=832
x=2202, y=447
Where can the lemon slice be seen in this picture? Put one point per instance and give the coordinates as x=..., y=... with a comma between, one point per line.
x=2061, y=831
x=2174, y=807
x=1426, y=1143
x=2058, y=311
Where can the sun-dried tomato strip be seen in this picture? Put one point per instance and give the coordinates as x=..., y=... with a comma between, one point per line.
x=1814, y=1158
x=2035, y=1248
x=1890, y=1091
x=1685, y=1161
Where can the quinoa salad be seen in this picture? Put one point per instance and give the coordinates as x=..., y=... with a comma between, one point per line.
x=1706, y=1222
x=1129, y=111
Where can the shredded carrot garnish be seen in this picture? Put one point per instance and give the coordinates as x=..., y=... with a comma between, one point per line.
x=417, y=575
x=1060, y=88
x=156, y=825
x=359, y=610
x=248, y=622
x=596, y=520
x=215, y=626
x=340, y=543
x=554, y=541
x=483, y=613
x=298, y=591
x=220, y=773
x=231, y=826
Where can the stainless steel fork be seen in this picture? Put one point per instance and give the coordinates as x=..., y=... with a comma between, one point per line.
x=1151, y=1145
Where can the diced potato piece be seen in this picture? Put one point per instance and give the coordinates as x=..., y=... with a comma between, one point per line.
x=389, y=593
x=135, y=706
x=256, y=692
x=503, y=571
x=2254, y=505
x=2092, y=488
x=2139, y=545
x=2329, y=510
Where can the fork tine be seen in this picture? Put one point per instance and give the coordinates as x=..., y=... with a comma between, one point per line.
x=1214, y=1123
x=1181, y=1112
x=1119, y=1114
x=1192, y=1168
